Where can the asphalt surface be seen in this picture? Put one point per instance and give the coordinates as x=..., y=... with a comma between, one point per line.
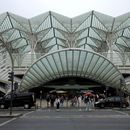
x=68, y=119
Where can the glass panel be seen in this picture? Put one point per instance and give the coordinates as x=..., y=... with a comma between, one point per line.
x=63, y=60
x=59, y=35
x=115, y=74
x=127, y=41
x=85, y=23
x=104, y=68
x=44, y=25
x=81, y=42
x=58, y=62
x=43, y=68
x=87, y=62
x=49, y=35
x=57, y=24
x=17, y=25
x=52, y=64
x=75, y=61
x=39, y=71
x=19, y=43
x=116, y=81
x=97, y=24
x=65, y=21
x=124, y=24
x=93, y=34
x=2, y=17
x=105, y=19
x=121, y=42
x=92, y=64
x=14, y=36
x=61, y=42
x=34, y=71
x=82, y=20
x=126, y=32
x=105, y=73
x=108, y=75
x=38, y=20
x=29, y=80
x=103, y=34
x=69, y=60
x=83, y=34
x=91, y=42
x=5, y=25
x=33, y=77
x=21, y=20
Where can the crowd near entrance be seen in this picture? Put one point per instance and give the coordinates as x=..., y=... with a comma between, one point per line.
x=76, y=94
x=78, y=99
x=63, y=99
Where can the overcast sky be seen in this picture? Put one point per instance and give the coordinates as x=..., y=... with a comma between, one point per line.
x=70, y=8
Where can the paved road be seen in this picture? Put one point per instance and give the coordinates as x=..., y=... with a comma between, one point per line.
x=5, y=114
x=70, y=120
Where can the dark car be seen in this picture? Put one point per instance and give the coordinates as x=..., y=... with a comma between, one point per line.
x=112, y=102
x=26, y=100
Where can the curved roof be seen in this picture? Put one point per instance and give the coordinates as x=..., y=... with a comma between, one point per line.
x=71, y=62
x=51, y=31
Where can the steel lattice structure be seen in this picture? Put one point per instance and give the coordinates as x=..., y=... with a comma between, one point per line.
x=50, y=32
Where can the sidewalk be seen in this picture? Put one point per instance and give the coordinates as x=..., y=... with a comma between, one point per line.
x=17, y=112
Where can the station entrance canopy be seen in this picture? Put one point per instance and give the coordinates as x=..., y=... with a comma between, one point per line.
x=71, y=63
x=51, y=32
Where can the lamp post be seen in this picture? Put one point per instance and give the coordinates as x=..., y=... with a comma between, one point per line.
x=11, y=78
x=120, y=92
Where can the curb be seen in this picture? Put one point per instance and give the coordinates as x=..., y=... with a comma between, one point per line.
x=11, y=116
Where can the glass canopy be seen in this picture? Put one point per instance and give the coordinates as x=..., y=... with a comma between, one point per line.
x=71, y=62
x=51, y=32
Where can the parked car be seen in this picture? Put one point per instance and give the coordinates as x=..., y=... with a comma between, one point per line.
x=112, y=102
x=27, y=100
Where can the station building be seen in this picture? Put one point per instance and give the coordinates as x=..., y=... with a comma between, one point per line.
x=55, y=51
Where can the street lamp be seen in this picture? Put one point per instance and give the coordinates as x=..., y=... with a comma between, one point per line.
x=11, y=78
x=120, y=91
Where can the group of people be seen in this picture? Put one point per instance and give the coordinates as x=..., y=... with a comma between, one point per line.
x=53, y=100
x=89, y=101
x=75, y=101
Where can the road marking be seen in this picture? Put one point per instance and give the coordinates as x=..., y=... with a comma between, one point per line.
x=76, y=116
x=121, y=112
x=6, y=122
x=27, y=113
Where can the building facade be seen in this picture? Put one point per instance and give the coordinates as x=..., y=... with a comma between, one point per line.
x=51, y=46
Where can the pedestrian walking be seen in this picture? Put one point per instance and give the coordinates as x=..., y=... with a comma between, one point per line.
x=48, y=100
x=57, y=103
x=79, y=101
x=87, y=102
